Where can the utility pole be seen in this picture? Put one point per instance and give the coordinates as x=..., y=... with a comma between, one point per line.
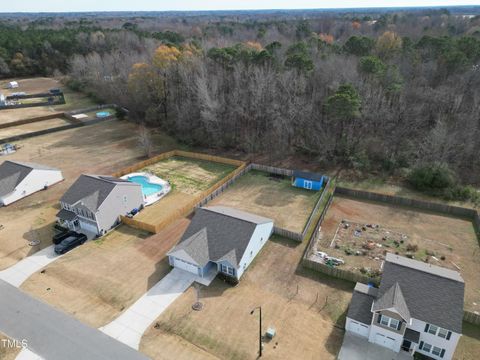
x=259, y=330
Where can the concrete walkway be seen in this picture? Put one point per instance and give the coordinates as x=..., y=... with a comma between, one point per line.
x=52, y=334
x=21, y=271
x=355, y=347
x=131, y=325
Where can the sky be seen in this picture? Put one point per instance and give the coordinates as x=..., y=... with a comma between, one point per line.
x=166, y=5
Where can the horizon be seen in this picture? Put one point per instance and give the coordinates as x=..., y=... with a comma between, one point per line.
x=109, y=6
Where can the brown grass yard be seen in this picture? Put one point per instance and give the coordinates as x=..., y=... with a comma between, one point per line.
x=301, y=305
x=7, y=352
x=258, y=193
x=98, y=280
x=452, y=237
x=29, y=128
x=468, y=347
x=188, y=178
x=100, y=149
x=74, y=100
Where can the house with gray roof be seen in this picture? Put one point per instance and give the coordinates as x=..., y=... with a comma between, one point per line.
x=94, y=203
x=417, y=308
x=220, y=239
x=19, y=179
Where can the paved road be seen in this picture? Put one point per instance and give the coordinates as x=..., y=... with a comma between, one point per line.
x=54, y=335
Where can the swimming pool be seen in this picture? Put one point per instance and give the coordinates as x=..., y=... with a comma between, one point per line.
x=153, y=188
x=102, y=114
x=147, y=187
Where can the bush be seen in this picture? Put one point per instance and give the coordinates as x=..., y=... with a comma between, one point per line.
x=432, y=177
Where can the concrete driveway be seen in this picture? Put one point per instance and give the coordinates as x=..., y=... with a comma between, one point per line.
x=355, y=347
x=130, y=326
x=15, y=275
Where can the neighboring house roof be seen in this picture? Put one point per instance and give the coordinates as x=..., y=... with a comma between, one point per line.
x=393, y=298
x=92, y=190
x=307, y=175
x=433, y=294
x=361, y=304
x=12, y=173
x=217, y=233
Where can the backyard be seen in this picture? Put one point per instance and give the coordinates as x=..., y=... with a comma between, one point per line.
x=74, y=100
x=294, y=301
x=270, y=196
x=361, y=233
x=188, y=178
x=75, y=152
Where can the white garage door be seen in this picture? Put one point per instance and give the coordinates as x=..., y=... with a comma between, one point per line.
x=358, y=328
x=186, y=266
x=385, y=341
x=89, y=227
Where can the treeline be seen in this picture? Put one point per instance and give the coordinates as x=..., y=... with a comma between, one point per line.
x=389, y=93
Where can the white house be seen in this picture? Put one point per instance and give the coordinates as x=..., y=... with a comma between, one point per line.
x=20, y=179
x=94, y=203
x=12, y=85
x=221, y=239
x=417, y=308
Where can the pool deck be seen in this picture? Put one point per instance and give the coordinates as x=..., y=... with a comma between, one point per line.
x=152, y=198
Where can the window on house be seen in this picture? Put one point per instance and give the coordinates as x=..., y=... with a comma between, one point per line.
x=432, y=329
x=436, y=351
x=394, y=323
x=442, y=333
x=385, y=320
x=427, y=347
x=251, y=253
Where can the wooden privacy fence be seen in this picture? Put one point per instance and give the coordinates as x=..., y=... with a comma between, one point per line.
x=471, y=317
x=198, y=200
x=272, y=170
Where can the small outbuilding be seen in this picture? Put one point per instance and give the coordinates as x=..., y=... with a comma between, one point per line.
x=3, y=100
x=12, y=85
x=308, y=180
x=20, y=179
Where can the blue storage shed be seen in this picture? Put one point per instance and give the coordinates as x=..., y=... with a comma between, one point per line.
x=307, y=180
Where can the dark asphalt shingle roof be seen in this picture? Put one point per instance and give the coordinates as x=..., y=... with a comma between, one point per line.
x=412, y=335
x=217, y=233
x=360, y=308
x=433, y=294
x=92, y=190
x=393, y=298
x=12, y=174
x=66, y=215
x=307, y=175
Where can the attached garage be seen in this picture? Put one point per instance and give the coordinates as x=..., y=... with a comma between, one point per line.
x=385, y=341
x=90, y=227
x=178, y=263
x=358, y=328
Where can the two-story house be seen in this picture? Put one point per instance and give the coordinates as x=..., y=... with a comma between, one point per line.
x=94, y=203
x=417, y=308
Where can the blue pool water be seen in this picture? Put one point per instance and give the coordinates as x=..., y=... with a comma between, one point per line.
x=102, y=114
x=147, y=188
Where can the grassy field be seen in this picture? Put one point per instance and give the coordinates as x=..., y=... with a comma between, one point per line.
x=451, y=237
x=29, y=128
x=188, y=178
x=468, y=347
x=97, y=149
x=6, y=352
x=302, y=306
x=275, y=198
x=74, y=100
x=98, y=280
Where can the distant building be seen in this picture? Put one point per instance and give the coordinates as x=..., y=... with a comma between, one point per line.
x=2, y=100
x=12, y=85
x=20, y=179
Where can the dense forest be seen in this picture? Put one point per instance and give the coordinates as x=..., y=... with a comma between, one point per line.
x=397, y=91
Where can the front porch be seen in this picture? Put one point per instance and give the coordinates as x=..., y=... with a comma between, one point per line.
x=355, y=347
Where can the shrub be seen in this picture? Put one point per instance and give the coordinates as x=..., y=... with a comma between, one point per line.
x=412, y=247
x=432, y=177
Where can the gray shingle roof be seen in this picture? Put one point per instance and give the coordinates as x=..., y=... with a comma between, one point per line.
x=11, y=175
x=361, y=303
x=92, y=190
x=66, y=215
x=393, y=298
x=433, y=294
x=307, y=175
x=217, y=233
x=412, y=335
x=34, y=165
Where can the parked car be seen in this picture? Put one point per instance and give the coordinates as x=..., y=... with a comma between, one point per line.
x=58, y=238
x=70, y=243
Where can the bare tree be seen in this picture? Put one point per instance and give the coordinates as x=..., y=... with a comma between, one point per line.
x=145, y=140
